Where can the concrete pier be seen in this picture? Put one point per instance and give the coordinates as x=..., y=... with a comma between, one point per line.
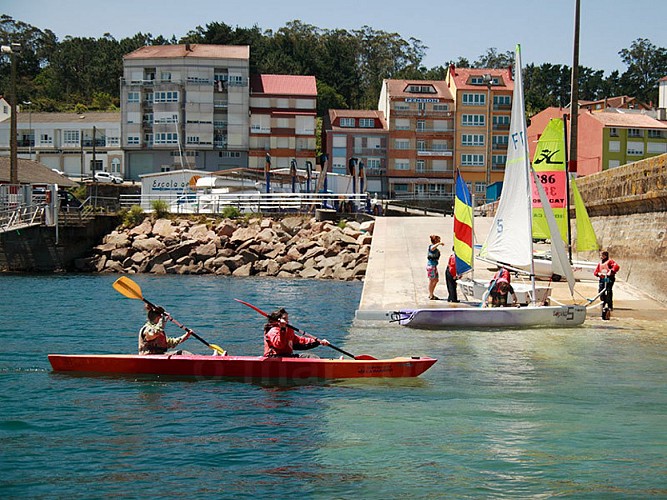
x=396, y=274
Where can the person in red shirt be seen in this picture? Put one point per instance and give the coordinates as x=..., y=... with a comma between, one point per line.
x=450, y=277
x=281, y=341
x=606, y=271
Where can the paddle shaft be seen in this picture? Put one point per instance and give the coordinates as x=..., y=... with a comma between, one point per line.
x=296, y=329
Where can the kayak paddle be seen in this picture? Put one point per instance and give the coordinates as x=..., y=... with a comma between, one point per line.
x=302, y=332
x=131, y=290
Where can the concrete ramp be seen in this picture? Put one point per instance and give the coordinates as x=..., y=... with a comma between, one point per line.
x=396, y=273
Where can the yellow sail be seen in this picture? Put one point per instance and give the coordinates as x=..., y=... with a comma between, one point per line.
x=549, y=164
x=586, y=239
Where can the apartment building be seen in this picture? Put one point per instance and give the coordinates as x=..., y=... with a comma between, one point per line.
x=483, y=103
x=76, y=144
x=420, y=145
x=608, y=138
x=359, y=136
x=283, y=111
x=185, y=106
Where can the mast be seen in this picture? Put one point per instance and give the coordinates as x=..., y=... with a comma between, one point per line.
x=574, y=94
x=567, y=192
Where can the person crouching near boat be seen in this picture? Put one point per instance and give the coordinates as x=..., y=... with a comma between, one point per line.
x=501, y=289
x=281, y=341
x=152, y=337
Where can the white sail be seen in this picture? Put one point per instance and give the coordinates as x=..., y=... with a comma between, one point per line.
x=510, y=237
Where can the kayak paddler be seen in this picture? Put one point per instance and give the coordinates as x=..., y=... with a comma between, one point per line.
x=152, y=337
x=281, y=341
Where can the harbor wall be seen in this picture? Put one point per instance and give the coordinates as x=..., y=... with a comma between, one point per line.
x=628, y=209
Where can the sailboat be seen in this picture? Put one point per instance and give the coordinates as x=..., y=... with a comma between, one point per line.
x=510, y=240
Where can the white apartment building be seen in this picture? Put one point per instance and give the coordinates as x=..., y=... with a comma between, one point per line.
x=185, y=106
x=77, y=144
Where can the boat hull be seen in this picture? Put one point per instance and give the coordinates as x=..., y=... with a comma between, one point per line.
x=492, y=317
x=245, y=367
x=524, y=292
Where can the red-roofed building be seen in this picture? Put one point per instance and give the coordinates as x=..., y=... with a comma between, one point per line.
x=361, y=134
x=607, y=139
x=420, y=119
x=483, y=101
x=283, y=109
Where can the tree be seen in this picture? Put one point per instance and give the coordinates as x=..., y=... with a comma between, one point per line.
x=646, y=65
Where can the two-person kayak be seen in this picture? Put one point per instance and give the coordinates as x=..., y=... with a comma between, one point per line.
x=243, y=367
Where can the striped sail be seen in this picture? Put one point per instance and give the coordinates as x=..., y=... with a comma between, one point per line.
x=462, y=226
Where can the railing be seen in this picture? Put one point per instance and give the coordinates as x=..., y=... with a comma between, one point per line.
x=21, y=216
x=245, y=202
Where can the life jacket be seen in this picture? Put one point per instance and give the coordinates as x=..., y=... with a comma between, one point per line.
x=451, y=267
x=502, y=276
x=158, y=345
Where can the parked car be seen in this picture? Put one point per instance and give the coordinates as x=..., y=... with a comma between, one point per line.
x=107, y=177
x=68, y=201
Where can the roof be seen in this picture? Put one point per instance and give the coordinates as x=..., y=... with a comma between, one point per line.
x=461, y=77
x=33, y=172
x=622, y=101
x=627, y=120
x=335, y=114
x=88, y=117
x=399, y=89
x=302, y=85
x=201, y=50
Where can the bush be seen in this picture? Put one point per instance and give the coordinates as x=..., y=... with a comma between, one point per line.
x=134, y=216
x=160, y=208
x=231, y=212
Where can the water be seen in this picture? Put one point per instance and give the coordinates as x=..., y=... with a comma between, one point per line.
x=535, y=413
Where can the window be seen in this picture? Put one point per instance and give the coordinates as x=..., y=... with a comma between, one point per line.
x=113, y=140
x=402, y=144
x=402, y=164
x=421, y=166
x=474, y=99
x=472, y=140
x=373, y=163
x=480, y=188
x=441, y=107
x=402, y=124
x=635, y=132
x=347, y=122
x=421, y=89
x=236, y=80
x=502, y=100
x=614, y=163
x=421, y=125
x=133, y=97
x=614, y=146
x=502, y=121
x=635, y=148
x=165, y=138
x=45, y=139
x=132, y=139
x=655, y=134
x=366, y=122
x=115, y=166
x=498, y=160
x=400, y=106
x=500, y=141
x=613, y=132
x=192, y=139
x=472, y=160
x=148, y=139
x=421, y=145
x=474, y=120
x=169, y=96
x=71, y=137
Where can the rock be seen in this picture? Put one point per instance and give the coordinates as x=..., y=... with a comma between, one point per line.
x=148, y=245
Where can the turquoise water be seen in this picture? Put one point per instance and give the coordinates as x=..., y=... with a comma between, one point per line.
x=525, y=414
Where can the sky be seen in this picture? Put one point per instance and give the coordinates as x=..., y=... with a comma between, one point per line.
x=449, y=28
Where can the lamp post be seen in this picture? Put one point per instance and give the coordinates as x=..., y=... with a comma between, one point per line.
x=30, y=137
x=488, y=81
x=12, y=50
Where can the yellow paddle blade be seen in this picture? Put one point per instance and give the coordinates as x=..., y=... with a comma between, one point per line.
x=128, y=288
x=218, y=349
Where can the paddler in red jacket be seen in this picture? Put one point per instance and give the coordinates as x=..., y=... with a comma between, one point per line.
x=281, y=341
x=606, y=271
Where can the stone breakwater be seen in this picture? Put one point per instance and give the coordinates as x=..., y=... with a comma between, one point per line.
x=293, y=247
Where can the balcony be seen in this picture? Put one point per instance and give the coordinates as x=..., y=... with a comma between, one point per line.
x=435, y=152
x=370, y=151
x=501, y=126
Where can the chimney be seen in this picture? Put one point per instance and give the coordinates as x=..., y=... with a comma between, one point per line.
x=452, y=69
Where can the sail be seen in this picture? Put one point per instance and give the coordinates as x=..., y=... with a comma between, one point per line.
x=462, y=226
x=560, y=262
x=586, y=239
x=549, y=163
x=510, y=237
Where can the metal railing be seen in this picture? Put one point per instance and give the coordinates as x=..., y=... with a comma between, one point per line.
x=246, y=202
x=21, y=216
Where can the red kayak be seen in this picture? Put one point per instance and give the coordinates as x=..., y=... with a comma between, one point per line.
x=246, y=367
